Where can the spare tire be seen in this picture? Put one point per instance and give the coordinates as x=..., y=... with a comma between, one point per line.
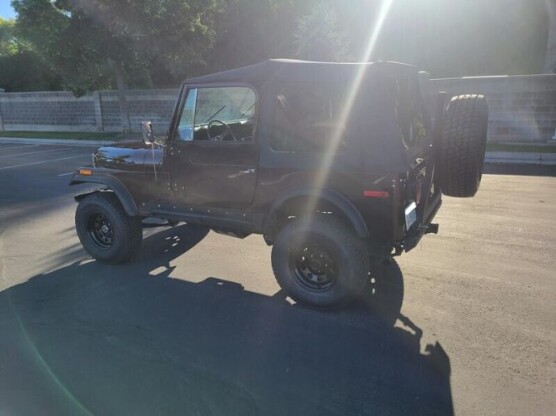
x=462, y=145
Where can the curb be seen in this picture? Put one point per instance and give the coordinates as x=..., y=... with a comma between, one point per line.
x=16, y=140
x=528, y=158
x=525, y=158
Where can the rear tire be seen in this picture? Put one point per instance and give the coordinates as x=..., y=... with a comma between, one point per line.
x=462, y=145
x=106, y=232
x=319, y=261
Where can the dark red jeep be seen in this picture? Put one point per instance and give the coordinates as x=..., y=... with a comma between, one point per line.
x=337, y=166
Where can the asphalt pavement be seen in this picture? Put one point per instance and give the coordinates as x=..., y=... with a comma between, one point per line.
x=465, y=324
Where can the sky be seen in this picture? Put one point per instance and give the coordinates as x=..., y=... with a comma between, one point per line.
x=6, y=10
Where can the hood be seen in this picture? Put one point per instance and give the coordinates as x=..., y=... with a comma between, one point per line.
x=128, y=155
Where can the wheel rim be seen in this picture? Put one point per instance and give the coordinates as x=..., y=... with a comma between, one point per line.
x=100, y=230
x=313, y=267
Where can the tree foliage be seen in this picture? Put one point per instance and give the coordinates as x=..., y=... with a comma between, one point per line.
x=21, y=69
x=93, y=44
x=318, y=36
x=474, y=37
x=250, y=31
x=96, y=43
x=550, y=60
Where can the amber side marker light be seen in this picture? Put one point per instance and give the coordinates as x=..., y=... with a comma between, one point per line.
x=85, y=172
x=376, y=194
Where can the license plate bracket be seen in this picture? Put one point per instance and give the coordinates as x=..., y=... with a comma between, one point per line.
x=410, y=215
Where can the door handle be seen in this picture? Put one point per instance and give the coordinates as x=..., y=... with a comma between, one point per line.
x=247, y=171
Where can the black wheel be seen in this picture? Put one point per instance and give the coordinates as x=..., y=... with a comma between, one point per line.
x=462, y=145
x=105, y=230
x=320, y=262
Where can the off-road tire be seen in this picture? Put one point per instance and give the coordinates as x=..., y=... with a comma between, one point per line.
x=337, y=239
x=462, y=145
x=127, y=231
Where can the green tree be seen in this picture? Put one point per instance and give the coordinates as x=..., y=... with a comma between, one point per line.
x=21, y=69
x=469, y=38
x=550, y=60
x=250, y=31
x=318, y=36
x=447, y=38
x=96, y=44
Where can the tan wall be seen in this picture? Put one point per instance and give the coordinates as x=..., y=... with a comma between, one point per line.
x=522, y=108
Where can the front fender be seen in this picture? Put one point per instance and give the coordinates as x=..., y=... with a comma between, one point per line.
x=110, y=182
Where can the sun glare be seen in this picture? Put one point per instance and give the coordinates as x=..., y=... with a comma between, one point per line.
x=329, y=155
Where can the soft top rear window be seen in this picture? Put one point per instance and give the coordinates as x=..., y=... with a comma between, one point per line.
x=409, y=111
x=307, y=118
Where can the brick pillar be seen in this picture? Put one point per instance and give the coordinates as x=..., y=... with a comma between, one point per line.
x=124, y=112
x=98, y=110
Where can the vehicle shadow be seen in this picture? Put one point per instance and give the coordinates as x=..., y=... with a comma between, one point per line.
x=95, y=339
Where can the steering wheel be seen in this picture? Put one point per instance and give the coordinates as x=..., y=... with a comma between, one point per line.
x=219, y=137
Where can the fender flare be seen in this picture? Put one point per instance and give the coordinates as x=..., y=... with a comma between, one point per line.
x=113, y=184
x=336, y=199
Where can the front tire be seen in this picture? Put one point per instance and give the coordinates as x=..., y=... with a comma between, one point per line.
x=319, y=261
x=106, y=232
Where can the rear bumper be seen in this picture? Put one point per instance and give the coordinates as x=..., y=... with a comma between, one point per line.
x=423, y=226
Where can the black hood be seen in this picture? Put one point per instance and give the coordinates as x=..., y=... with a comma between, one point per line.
x=128, y=155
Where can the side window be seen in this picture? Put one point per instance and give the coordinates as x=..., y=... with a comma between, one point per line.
x=307, y=119
x=409, y=112
x=218, y=114
x=224, y=114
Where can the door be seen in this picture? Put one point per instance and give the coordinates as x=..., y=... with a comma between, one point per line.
x=212, y=156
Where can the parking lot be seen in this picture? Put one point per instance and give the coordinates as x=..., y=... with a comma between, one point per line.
x=197, y=325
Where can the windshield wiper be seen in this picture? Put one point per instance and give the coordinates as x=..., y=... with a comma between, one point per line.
x=245, y=113
x=214, y=115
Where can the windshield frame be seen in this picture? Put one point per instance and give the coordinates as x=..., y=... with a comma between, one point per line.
x=173, y=135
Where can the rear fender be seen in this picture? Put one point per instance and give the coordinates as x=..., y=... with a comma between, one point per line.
x=340, y=204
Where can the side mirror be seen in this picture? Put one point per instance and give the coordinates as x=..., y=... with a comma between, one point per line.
x=147, y=130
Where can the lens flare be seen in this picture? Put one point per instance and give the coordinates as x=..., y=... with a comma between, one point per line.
x=328, y=158
x=42, y=364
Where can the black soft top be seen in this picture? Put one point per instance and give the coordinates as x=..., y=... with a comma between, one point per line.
x=292, y=70
x=373, y=114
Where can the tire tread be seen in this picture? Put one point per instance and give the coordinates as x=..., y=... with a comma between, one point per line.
x=463, y=145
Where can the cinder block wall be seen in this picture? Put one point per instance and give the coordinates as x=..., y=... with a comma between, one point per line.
x=522, y=108
x=48, y=111
x=99, y=111
x=143, y=105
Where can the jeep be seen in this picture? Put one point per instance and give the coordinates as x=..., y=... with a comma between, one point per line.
x=339, y=166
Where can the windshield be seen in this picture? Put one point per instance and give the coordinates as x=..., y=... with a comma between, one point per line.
x=224, y=104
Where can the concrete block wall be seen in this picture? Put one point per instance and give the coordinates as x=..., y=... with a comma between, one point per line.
x=100, y=111
x=522, y=108
x=48, y=111
x=142, y=105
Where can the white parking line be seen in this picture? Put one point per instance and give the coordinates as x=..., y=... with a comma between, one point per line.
x=66, y=174
x=32, y=153
x=42, y=162
x=8, y=146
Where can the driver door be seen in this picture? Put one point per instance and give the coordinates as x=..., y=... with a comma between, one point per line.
x=212, y=157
